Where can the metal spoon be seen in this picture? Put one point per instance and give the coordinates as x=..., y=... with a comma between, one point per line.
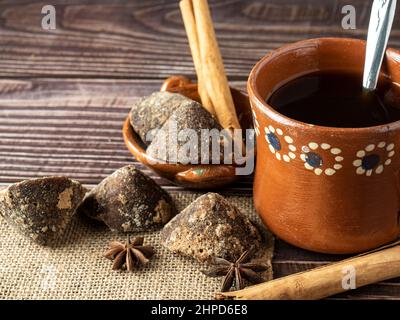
x=380, y=25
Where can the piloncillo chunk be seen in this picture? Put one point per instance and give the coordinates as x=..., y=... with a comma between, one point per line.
x=150, y=112
x=175, y=145
x=129, y=201
x=211, y=227
x=41, y=208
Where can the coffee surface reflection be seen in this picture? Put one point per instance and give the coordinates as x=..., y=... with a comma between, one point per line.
x=337, y=100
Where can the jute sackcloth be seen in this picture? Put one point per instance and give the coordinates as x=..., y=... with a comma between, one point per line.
x=74, y=268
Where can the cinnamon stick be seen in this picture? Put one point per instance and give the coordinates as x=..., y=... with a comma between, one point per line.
x=327, y=280
x=214, y=71
x=191, y=31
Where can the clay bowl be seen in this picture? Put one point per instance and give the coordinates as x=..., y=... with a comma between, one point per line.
x=189, y=176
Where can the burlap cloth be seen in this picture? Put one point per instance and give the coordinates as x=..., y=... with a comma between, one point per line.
x=75, y=269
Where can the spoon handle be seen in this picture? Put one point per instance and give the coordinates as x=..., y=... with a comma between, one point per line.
x=380, y=24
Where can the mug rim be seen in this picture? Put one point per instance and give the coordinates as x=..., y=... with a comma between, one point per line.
x=280, y=118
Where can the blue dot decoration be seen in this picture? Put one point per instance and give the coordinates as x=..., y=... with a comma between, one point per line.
x=274, y=141
x=314, y=159
x=370, y=161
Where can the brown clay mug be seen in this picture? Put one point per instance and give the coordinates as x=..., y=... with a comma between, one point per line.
x=339, y=207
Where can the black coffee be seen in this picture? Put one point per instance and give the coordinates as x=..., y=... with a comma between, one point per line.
x=337, y=100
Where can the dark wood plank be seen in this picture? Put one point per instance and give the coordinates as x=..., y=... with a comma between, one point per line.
x=146, y=39
x=70, y=127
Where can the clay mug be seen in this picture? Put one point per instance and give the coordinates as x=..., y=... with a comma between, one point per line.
x=344, y=203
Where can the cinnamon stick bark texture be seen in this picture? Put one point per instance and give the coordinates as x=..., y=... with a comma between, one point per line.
x=214, y=71
x=191, y=31
x=325, y=281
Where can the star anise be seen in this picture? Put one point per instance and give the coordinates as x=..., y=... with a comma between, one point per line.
x=236, y=272
x=126, y=255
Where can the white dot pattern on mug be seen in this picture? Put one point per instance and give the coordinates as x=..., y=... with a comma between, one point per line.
x=280, y=144
x=315, y=160
x=373, y=158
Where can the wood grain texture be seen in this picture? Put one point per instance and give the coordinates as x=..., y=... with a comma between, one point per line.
x=146, y=39
x=65, y=93
x=70, y=127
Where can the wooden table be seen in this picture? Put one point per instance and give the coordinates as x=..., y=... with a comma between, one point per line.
x=64, y=93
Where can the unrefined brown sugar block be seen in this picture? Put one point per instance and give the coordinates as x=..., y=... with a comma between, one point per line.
x=41, y=208
x=172, y=143
x=151, y=112
x=211, y=227
x=129, y=201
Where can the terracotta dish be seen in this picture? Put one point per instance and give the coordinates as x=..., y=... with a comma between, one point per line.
x=343, y=203
x=189, y=176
